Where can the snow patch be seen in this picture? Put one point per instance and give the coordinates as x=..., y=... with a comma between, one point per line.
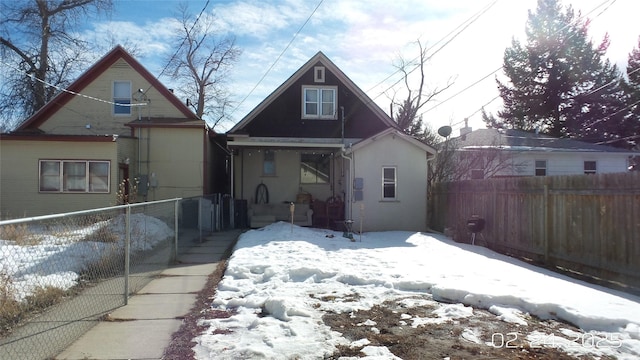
x=296, y=274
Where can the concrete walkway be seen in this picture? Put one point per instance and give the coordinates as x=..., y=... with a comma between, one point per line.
x=142, y=329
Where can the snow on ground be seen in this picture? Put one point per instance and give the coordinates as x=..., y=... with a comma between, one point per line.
x=277, y=274
x=55, y=257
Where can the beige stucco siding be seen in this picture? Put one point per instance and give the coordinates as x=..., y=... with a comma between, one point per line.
x=408, y=211
x=176, y=157
x=85, y=116
x=285, y=184
x=19, y=171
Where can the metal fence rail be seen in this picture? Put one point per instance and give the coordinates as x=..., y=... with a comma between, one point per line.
x=60, y=274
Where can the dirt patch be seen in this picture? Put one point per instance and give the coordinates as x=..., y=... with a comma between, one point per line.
x=481, y=336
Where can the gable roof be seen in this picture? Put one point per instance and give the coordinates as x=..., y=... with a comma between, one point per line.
x=518, y=140
x=393, y=132
x=329, y=65
x=89, y=76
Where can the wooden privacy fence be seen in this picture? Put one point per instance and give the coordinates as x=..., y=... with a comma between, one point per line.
x=589, y=224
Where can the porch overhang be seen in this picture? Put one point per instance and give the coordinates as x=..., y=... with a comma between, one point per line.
x=235, y=141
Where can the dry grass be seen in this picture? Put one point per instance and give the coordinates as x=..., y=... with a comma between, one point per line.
x=182, y=340
x=110, y=264
x=102, y=234
x=18, y=233
x=14, y=312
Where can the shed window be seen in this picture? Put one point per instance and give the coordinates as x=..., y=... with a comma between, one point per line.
x=389, y=183
x=590, y=167
x=74, y=176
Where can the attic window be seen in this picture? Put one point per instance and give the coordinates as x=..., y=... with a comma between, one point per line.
x=319, y=102
x=318, y=74
x=122, y=97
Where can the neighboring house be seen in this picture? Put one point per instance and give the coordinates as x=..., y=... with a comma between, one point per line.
x=115, y=122
x=320, y=141
x=486, y=153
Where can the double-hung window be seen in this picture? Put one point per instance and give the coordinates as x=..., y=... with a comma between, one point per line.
x=319, y=102
x=541, y=168
x=74, y=176
x=122, y=97
x=389, y=183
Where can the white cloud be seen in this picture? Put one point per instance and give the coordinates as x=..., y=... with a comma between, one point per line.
x=365, y=37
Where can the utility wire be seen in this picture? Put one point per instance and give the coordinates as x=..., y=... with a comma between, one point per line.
x=464, y=26
x=465, y=23
x=183, y=41
x=32, y=77
x=277, y=59
x=611, y=2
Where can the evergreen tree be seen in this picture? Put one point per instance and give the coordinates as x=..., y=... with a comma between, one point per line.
x=632, y=93
x=559, y=82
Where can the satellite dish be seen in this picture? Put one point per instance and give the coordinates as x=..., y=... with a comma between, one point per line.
x=444, y=131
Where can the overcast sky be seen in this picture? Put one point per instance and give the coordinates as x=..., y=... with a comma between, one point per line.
x=365, y=39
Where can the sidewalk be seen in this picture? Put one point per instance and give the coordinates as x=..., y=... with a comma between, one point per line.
x=142, y=329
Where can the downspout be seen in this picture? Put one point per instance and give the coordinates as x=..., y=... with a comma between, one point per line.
x=206, y=189
x=348, y=184
x=232, y=170
x=242, y=154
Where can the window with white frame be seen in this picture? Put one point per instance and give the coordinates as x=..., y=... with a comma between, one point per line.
x=319, y=102
x=74, y=176
x=590, y=167
x=122, y=97
x=389, y=183
x=541, y=168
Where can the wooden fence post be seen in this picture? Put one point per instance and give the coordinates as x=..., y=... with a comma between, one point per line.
x=548, y=222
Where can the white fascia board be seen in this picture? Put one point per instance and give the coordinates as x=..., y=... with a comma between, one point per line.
x=285, y=142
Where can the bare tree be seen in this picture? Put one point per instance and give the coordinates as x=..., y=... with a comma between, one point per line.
x=417, y=96
x=202, y=65
x=40, y=52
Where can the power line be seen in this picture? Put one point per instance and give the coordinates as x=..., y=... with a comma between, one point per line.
x=183, y=41
x=580, y=18
x=32, y=77
x=464, y=26
x=465, y=23
x=277, y=59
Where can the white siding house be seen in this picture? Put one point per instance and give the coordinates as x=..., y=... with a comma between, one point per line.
x=504, y=153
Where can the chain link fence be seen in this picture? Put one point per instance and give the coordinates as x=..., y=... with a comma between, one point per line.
x=61, y=274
